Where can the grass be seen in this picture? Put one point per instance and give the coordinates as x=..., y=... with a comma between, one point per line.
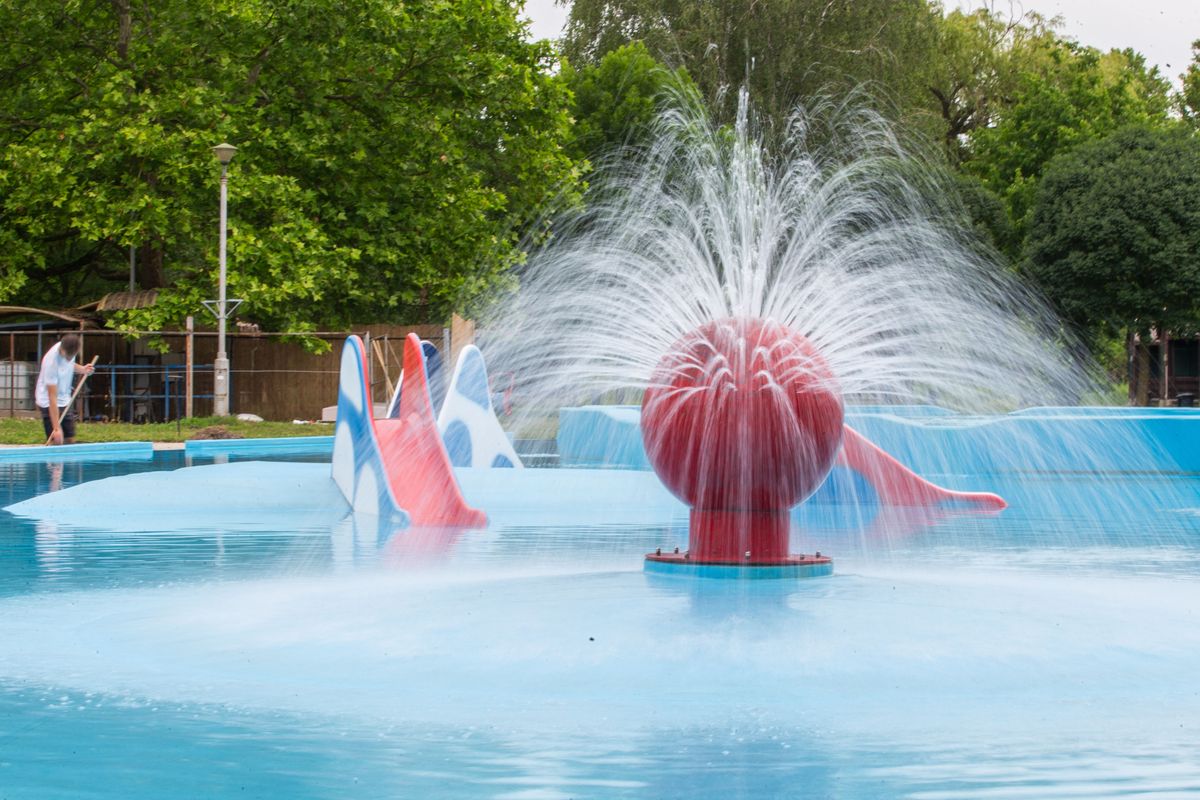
x=29, y=431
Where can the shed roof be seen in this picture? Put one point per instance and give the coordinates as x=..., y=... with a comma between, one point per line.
x=123, y=301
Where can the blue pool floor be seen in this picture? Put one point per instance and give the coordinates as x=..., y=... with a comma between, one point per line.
x=1044, y=653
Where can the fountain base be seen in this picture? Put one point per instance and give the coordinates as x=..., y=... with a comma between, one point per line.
x=791, y=566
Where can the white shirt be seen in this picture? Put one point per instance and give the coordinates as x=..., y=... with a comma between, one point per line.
x=59, y=371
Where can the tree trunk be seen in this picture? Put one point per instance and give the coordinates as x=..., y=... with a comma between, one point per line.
x=124, y=27
x=150, y=266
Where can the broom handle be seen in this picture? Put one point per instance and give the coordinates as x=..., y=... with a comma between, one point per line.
x=78, y=388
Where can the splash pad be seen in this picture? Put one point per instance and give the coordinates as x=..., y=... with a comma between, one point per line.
x=743, y=299
x=265, y=633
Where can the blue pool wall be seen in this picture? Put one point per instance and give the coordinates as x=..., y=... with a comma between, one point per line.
x=289, y=445
x=601, y=436
x=936, y=441
x=92, y=451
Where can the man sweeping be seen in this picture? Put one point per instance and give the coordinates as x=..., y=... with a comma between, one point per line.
x=53, y=391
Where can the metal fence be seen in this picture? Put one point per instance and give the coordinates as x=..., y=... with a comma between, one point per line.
x=159, y=376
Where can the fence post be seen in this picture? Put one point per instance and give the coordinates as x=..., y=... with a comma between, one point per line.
x=462, y=333
x=82, y=407
x=189, y=360
x=12, y=375
x=370, y=371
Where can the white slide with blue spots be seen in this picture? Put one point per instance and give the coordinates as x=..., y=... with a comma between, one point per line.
x=468, y=423
x=357, y=462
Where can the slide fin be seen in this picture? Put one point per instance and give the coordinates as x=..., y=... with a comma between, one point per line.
x=468, y=423
x=433, y=374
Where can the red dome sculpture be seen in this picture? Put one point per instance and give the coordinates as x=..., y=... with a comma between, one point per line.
x=742, y=420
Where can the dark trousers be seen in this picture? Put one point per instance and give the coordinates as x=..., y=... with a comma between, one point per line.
x=66, y=418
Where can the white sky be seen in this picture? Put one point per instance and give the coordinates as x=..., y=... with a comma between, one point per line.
x=1162, y=30
x=547, y=18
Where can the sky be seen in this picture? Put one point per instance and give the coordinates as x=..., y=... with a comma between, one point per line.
x=1162, y=30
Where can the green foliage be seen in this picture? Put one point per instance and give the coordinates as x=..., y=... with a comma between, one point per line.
x=976, y=65
x=1189, y=96
x=1004, y=94
x=389, y=152
x=1115, y=232
x=785, y=52
x=617, y=100
x=1076, y=95
x=986, y=215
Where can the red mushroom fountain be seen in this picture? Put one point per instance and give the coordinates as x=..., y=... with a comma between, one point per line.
x=742, y=420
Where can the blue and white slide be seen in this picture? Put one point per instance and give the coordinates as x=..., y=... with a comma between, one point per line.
x=468, y=423
x=357, y=462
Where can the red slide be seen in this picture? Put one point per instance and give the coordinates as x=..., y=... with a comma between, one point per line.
x=896, y=484
x=414, y=457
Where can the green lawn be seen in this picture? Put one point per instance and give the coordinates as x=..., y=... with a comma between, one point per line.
x=29, y=431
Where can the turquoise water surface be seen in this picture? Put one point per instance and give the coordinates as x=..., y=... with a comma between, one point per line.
x=1050, y=651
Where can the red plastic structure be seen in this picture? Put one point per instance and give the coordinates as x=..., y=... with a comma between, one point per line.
x=897, y=485
x=742, y=420
x=414, y=457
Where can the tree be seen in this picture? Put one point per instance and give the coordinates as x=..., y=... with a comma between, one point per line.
x=785, y=52
x=1114, y=237
x=390, y=152
x=1076, y=96
x=616, y=101
x=986, y=215
x=1189, y=95
x=976, y=65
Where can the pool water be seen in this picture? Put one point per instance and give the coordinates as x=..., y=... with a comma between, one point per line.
x=1050, y=651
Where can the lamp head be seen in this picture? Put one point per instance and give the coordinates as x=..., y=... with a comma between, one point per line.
x=224, y=153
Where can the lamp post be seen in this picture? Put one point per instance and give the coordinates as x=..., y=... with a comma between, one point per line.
x=224, y=153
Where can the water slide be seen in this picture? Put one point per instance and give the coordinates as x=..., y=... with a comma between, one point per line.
x=897, y=485
x=468, y=423
x=396, y=465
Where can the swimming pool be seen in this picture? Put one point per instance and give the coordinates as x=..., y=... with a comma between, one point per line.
x=1030, y=654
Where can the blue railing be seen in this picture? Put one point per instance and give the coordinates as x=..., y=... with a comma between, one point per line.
x=169, y=393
